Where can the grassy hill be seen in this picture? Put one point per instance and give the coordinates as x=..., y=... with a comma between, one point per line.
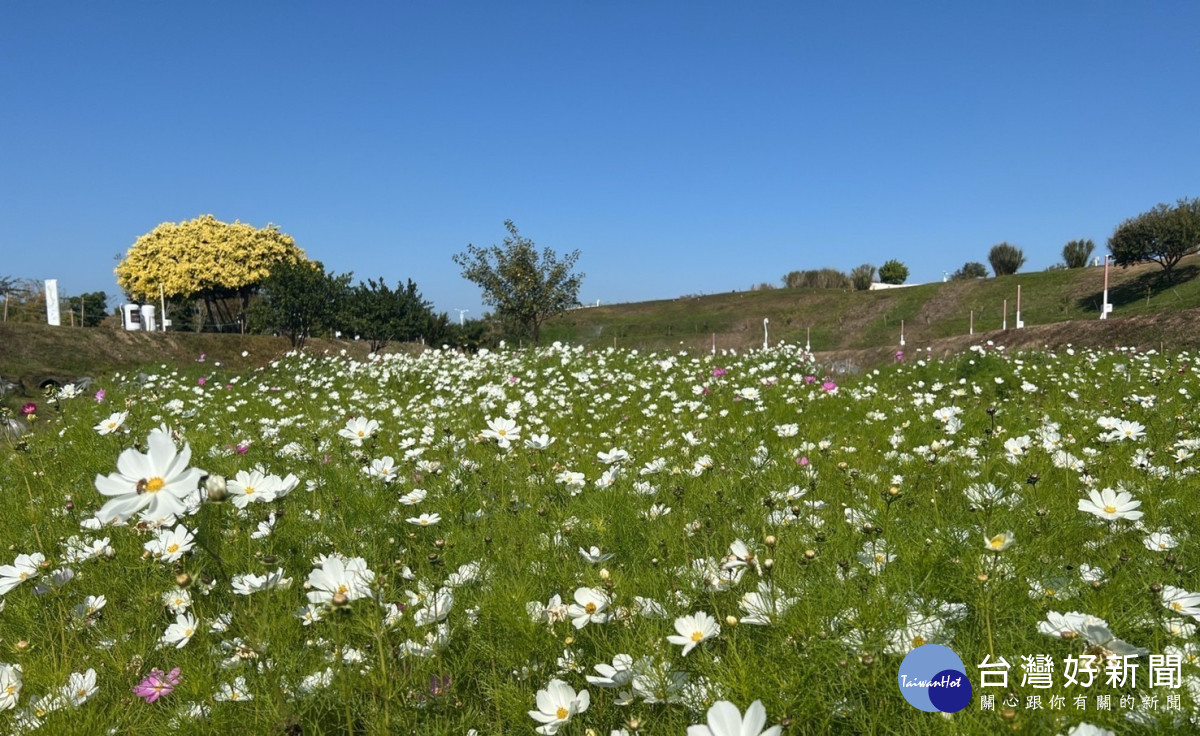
x=848, y=320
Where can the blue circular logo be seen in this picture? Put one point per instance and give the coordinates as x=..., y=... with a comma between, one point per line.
x=933, y=678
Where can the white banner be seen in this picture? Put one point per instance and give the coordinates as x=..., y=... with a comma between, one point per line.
x=52, y=302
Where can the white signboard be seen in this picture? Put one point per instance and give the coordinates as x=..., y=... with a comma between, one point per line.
x=52, y=302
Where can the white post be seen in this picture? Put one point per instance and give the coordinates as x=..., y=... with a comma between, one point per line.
x=808, y=339
x=461, y=312
x=901, y=333
x=1004, y=324
x=766, y=343
x=972, y=322
x=1105, y=308
x=714, y=340
x=162, y=302
x=1020, y=324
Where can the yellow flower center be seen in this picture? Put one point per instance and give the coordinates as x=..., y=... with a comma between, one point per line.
x=188, y=632
x=918, y=641
x=173, y=548
x=342, y=590
x=81, y=692
x=997, y=542
x=1110, y=509
x=249, y=490
x=503, y=432
x=879, y=558
x=590, y=608
x=23, y=576
x=361, y=433
x=1176, y=606
x=697, y=636
x=1050, y=592
x=562, y=713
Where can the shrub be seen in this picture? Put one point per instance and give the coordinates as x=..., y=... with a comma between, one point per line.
x=970, y=270
x=825, y=278
x=1006, y=259
x=893, y=272
x=862, y=276
x=1076, y=253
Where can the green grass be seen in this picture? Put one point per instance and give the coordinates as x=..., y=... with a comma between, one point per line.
x=828, y=664
x=841, y=320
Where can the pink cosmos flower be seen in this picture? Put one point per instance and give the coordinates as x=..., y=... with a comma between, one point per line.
x=718, y=372
x=29, y=409
x=899, y=355
x=802, y=461
x=202, y=357
x=809, y=379
x=201, y=380
x=829, y=386
x=242, y=449
x=157, y=684
x=100, y=396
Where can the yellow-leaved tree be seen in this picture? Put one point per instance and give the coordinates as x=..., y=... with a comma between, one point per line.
x=208, y=260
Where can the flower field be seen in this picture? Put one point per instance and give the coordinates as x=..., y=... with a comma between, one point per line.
x=597, y=542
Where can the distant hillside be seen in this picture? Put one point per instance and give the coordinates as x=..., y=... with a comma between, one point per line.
x=850, y=320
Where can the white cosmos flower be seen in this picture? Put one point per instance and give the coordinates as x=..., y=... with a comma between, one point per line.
x=340, y=576
x=556, y=704
x=112, y=424
x=724, y=719
x=414, y=497
x=80, y=687
x=247, y=584
x=613, y=456
x=155, y=483
x=618, y=674
x=233, y=692
x=1181, y=601
x=359, y=429
x=999, y=542
x=504, y=430
x=23, y=568
x=383, y=468
x=1111, y=505
x=177, y=601
x=256, y=486
x=180, y=633
x=594, y=555
x=589, y=607
x=10, y=685
x=1087, y=729
x=424, y=519
x=171, y=544
x=539, y=441
x=90, y=606
x=765, y=606
x=1160, y=542
x=436, y=607
x=694, y=629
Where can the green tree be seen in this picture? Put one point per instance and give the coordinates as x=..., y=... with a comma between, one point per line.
x=1164, y=235
x=300, y=298
x=526, y=289
x=1006, y=259
x=1076, y=253
x=205, y=259
x=379, y=314
x=90, y=308
x=893, y=272
x=970, y=270
x=862, y=276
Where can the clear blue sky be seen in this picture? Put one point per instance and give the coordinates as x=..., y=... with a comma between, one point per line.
x=687, y=147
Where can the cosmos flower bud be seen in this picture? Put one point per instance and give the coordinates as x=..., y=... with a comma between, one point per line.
x=731, y=621
x=770, y=541
x=214, y=486
x=339, y=600
x=604, y=573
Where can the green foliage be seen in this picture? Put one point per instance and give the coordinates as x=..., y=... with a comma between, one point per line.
x=1006, y=259
x=523, y=287
x=862, y=277
x=300, y=298
x=1076, y=253
x=893, y=272
x=970, y=270
x=1164, y=235
x=823, y=278
x=93, y=306
x=379, y=314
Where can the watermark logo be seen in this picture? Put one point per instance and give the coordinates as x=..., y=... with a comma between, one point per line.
x=933, y=678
